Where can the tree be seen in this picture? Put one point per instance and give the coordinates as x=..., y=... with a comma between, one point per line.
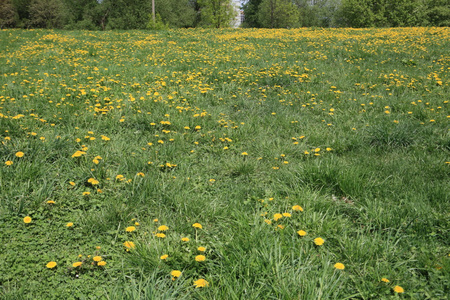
x=7, y=14
x=81, y=12
x=251, y=8
x=278, y=14
x=47, y=13
x=438, y=12
x=176, y=13
x=215, y=13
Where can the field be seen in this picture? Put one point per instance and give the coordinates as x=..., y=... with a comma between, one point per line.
x=225, y=164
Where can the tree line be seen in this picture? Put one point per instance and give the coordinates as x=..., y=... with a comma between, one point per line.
x=346, y=13
x=137, y=14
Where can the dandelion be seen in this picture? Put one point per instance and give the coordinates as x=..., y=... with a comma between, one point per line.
x=385, y=280
x=93, y=181
x=130, y=229
x=297, y=208
x=77, y=264
x=201, y=249
x=8, y=163
x=319, y=241
x=339, y=266
x=20, y=154
x=51, y=202
x=51, y=265
x=163, y=257
x=70, y=224
x=287, y=215
x=97, y=258
x=78, y=154
x=129, y=245
x=197, y=225
x=200, y=283
x=175, y=274
x=101, y=263
x=160, y=235
x=185, y=239
x=200, y=258
x=244, y=153
x=72, y=183
x=277, y=216
x=163, y=228
x=301, y=233
x=398, y=289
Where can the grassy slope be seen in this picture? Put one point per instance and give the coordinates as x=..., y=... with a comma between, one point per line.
x=378, y=197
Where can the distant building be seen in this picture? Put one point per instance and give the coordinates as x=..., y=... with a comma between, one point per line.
x=237, y=21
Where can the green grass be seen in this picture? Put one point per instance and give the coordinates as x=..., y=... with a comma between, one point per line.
x=225, y=128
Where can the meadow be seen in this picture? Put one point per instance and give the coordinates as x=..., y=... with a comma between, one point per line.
x=225, y=164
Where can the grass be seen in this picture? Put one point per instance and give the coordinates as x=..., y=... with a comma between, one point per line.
x=233, y=130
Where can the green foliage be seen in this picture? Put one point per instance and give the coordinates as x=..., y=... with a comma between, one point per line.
x=438, y=12
x=251, y=8
x=127, y=14
x=254, y=134
x=47, y=13
x=7, y=14
x=216, y=13
x=278, y=14
x=176, y=13
x=157, y=24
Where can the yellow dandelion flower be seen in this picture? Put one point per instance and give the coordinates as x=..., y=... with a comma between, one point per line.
x=200, y=258
x=160, y=235
x=77, y=264
x=130, y=229
x=78, y=154
x=129, y=245
x=277, y=216
x=163, y=228
x=200, y=283
x=398, y=289
x=163, y=257
x=244, y=153
x=301, y=233
x=70, y=224
x=319, y=241
x=51, y=265
x=339, y=266
x=8, y=163
x=287, y=215
x=297, y=208
x=20, y=154
x=97, y=258
x=197, y=225
x=385, y=280
x=101, y=263
x=201, y=249
x=51, y=202
x=185, y=239
x=176, y=273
